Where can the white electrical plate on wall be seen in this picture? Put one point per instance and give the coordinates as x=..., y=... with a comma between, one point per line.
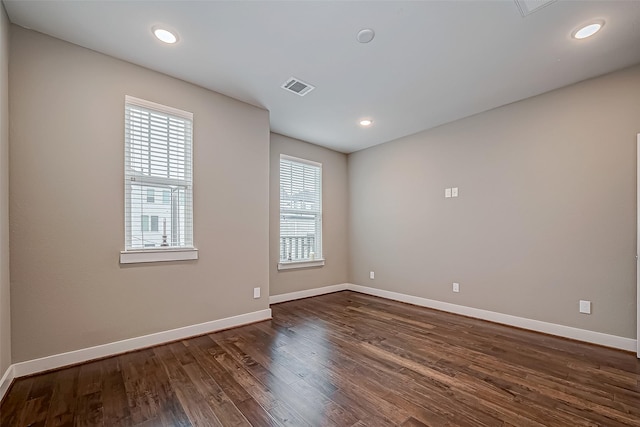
x=585, y=307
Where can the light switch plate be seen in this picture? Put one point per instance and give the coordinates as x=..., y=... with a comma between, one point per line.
x=447, y=192
x=454, y=192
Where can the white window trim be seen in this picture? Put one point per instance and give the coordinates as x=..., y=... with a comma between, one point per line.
x=319, y=262
x=160, y=107
x=290, y=265
x=299, y=160
x=134, y=256
x=158, y=255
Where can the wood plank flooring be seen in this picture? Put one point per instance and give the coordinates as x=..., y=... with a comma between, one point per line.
x=343, y=359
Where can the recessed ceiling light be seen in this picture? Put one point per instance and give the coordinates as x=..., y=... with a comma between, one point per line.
x=587, y=30
x=366, y=122
x=165, y=35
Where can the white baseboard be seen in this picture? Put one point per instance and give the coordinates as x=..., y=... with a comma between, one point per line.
x=35, y=366
x=274, y=299
x=83, y=355
x=6, y=380
x=599, y=338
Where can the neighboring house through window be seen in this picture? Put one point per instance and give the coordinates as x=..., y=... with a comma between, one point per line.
x=300, y=213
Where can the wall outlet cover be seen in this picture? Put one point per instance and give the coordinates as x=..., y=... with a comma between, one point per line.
x=256, y=293
x=585, y=307
x=456, y=287
x=447, y=192
x=372, y=275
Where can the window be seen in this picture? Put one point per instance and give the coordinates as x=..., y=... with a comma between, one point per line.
x=158, y=152
x=300, y=213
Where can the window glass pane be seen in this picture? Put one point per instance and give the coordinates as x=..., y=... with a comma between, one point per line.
x=156, y=218
x=166, y=197
x=151, y=195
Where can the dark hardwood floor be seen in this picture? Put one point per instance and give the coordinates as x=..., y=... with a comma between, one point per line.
x=343, y=359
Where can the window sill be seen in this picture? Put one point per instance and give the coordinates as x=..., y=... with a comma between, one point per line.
x=134, y=257
x=289, y=265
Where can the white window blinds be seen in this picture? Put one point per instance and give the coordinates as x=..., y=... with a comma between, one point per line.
x=158, y=176
x=300, y=210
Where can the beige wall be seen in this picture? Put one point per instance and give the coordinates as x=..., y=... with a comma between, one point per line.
x=67, y=203
x=5, y=314
x=334, y=218
x=545, y=216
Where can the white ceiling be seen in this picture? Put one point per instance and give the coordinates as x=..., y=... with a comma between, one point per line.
x=430, y=63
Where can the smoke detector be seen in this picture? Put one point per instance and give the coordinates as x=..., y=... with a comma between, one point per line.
x=297, y=86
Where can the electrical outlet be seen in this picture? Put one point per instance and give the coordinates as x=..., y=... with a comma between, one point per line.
x=372, y=275
x=256, y=293
x=454, y=192
x=447, y=192
x=585, y=307
x=456, y=287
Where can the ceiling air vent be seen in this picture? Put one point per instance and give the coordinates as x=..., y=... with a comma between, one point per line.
x=527, y=7
x=297, y=86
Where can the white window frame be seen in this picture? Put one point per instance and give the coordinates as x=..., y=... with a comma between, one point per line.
x=318, y=260
x=157, y=254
